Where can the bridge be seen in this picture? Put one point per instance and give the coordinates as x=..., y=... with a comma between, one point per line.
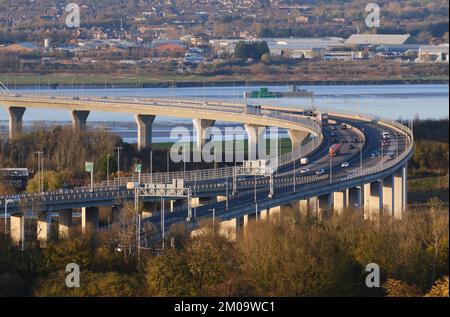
x=373, y=184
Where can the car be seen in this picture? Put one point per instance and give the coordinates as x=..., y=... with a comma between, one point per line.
x=345, y=164
x=391, y=156
x=333, y=135
x=355, y=140
x=344, y=140
x=304, y=170
x=334, y=140
x=76, y=98
x=352, y=147
x=375, y=154
x=320, y=171
x=333, y=127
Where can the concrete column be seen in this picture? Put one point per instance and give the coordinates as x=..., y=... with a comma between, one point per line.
x=400, y=192
x=340, y=201
x=44, y=226
x=144, y=124
x=405, y=187
x=256, y=140
x=388, y=195
x=17, y=227
x=201, y=126
x=65, y=222
x=250, y=218
x=264, y=215
x=313, y=207
x=227, y=229
x=303, y=207
x=366, y=200
x=355, y=198
x=15, y=121
x=89, y=218
x=239, y=227
x=297, y=139
x=376, y=199
x=172, y=205
x=79, y=118
x=325, y=205
x=221, y=198
x=275, y=213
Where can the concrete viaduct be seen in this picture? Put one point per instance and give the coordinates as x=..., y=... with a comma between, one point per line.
x=372, y=186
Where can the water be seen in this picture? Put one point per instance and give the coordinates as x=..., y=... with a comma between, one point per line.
x=391, y=101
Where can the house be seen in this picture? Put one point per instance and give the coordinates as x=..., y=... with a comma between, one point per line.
x=433, y=53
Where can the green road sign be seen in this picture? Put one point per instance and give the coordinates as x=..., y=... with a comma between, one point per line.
x=89, y=166
x=138, y=168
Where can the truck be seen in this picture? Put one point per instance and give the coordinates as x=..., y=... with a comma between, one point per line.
x=252, y=109
x=335, y=149
x=322, y=118
x=385, y=135
x=304, y=161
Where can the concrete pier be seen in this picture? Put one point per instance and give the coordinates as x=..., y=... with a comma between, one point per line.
x=65, y=222
x=44, y=228
x=325, y=205
x=355, y=198
x=297, y=139
x=340, y=201
x=89, y=218
x=144, y=124
x=256, y=146
x=388, y=196
x=15, y=121
x=79, y=118
x=376, y=199
x=201, y=127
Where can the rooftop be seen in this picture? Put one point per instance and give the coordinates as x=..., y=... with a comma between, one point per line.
x=379, y=39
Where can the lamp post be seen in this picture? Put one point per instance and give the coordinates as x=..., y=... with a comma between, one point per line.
x=6, y=212
x=107, y=169
x=213, y=218
x=118, y=164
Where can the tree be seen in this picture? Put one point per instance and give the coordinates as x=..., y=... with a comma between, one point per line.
x=440, y=288
x=52, y=181
x=252, y=50
x=265, y=58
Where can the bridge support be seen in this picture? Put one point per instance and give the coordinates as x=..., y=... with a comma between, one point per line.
x=340, y=201
x=400, y=192
x=355, y=198
x=376, y=199
x=79, y=118
x=325, y=205
x=44, y=228
x=256, y=146
x=89, y=218
x=201, y=128
x=366, y=199
x=144, y=124
x=304, y=208
x=65, y=222
x=297, y=139
x=388, y=195
x=17, y=228
x=15, y=121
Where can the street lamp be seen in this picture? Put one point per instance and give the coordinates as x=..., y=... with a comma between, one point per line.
x=107, y=169
x=118, y=164
x=7, y=201
x=214, y=218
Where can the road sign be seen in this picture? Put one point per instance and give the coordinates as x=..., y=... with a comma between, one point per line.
x=89, y=166
x=138, y=168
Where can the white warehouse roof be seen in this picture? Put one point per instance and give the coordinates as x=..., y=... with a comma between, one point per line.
x=379, y=39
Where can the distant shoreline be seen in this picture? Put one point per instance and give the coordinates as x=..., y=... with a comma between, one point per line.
x=31, y=83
